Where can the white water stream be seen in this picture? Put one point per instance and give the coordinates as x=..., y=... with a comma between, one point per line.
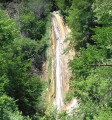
x=61, y=67
x=59, y=95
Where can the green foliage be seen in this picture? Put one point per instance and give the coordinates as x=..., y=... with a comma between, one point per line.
x=39, y=7
x=103, y=39
x=33, y=18
x=27, y=16
x=27, y=46
x=104, y=114
x=64, y=116
x=90, y=111
x=9, y=109
x=69, y=96
x=33, y=21
x=16, y=70
x=91, y=80
x=17, y=79
x=3, y=84
x=80, y=19
x=8, y=29
x=64, y=5
x=50, y=113
x=102, y=9
x=31, y=27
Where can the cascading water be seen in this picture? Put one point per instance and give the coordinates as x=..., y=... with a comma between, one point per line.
x=59, y=96
x=60, y=62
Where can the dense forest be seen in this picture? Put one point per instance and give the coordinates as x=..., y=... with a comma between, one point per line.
x=24, y=39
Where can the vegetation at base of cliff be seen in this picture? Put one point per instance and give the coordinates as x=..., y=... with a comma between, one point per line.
x=91, y=25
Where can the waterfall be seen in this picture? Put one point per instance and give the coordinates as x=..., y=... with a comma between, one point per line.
x=60, y=62
x=59, y=96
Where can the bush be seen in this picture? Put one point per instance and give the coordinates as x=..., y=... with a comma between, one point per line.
x=69, y=96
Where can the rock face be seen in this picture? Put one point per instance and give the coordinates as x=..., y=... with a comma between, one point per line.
x=59, y=32
x=55, y=69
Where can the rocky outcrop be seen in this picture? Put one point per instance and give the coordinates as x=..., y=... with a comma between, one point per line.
x=59, y=34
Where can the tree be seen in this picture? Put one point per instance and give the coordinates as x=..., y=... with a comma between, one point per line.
x=9, y=110
x=91, y=67
x=81, y=19
x=16, y=77
x=8, y=29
